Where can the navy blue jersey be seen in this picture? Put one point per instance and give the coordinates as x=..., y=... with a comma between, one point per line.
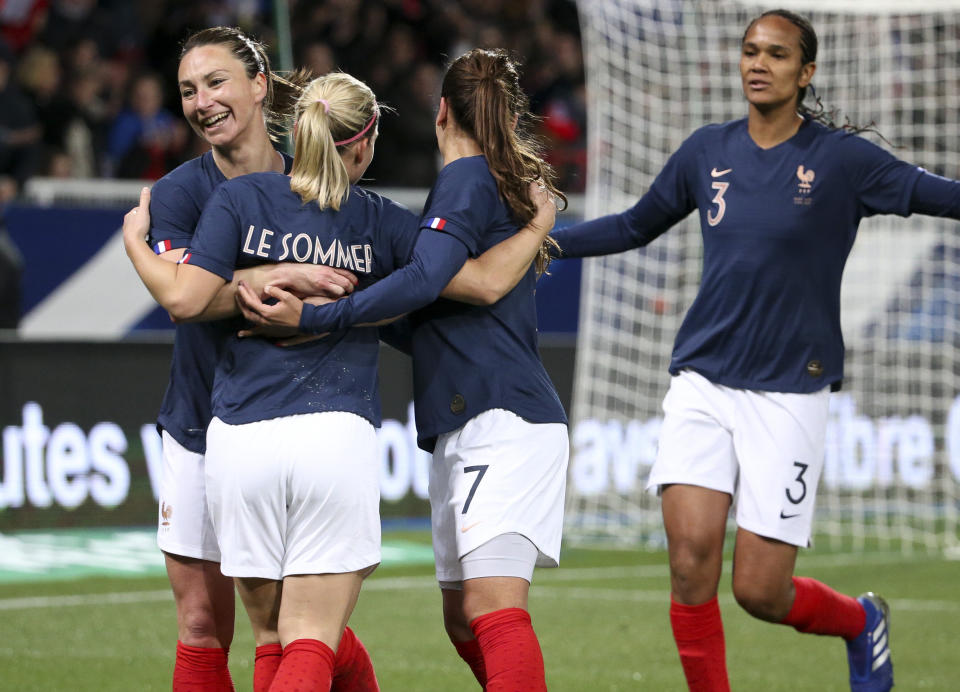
x=257, y=219
x=468, y=359
x=176, y=202
x=777, y=225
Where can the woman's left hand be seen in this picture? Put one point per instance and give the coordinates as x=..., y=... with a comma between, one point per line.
x=284, y=313
x=136, y=222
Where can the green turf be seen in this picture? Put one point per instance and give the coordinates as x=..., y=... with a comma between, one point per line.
x=602, y=622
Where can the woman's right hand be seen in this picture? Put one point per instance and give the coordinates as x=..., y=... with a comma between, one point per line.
x=304, y=280
x=285, y=336
x=136, y=222
x=546, y=203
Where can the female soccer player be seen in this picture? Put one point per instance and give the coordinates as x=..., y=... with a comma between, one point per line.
x=235, y=102
x=484, y=404
x=230, y=97
x=780, y=196
x=324, y=390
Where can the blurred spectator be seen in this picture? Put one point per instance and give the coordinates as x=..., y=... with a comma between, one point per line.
x=561, y=101
x=20, y=132
x=398, y=47
x=317, y=57
x=21, y=21
x=84, y=129
x=408, y=143
x=146, y=140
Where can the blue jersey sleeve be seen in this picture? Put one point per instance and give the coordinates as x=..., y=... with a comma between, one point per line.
x=173, y=217
x=437, y=257
x=607, y=235
x=217, y=240
x=935, y=196
x=459, y=202
x=883, y=183
x=672, y=187
x=667, y=201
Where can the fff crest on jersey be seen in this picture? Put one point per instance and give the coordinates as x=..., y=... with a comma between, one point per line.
x=806, y=178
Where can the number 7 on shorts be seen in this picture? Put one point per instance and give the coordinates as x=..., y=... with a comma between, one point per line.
x=479, y=470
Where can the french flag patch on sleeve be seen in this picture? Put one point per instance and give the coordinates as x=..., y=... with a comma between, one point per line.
x=437, y=222
x=185, y=259
x=162, y=247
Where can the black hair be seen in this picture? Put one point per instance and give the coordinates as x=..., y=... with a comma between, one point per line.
x=808, y=54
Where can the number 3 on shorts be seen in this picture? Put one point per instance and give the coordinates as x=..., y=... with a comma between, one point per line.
x=479, y=470
x=803, y=484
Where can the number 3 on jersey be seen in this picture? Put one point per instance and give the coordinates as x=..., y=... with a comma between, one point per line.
x=720, y=187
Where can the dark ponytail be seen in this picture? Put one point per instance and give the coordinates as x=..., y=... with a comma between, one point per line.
x=482, y=91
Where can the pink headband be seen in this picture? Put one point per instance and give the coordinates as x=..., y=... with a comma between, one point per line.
x=362, y=132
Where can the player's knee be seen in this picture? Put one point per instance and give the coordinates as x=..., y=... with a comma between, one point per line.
x=197, y=624
x=762, y=603
x=690, y=560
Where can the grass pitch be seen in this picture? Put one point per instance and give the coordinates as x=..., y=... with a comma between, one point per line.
x=601, y=618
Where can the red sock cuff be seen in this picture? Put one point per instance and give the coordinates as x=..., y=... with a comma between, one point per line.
x=314, y=646
x=692, y=622
x=498, y=618
x=201, y=657
x=818, y=609
x=268, y=650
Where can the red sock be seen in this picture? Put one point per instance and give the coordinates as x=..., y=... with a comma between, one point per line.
x=353, y=669
x=698, y=631
x=265, y=664
x=306, y=666
x=470, y=652
x=511, y=652
x=201, y=669
x=818, y=609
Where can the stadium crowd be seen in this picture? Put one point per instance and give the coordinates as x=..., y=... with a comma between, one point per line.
x=88, y=86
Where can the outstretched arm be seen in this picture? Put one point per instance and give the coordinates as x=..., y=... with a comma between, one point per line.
x=607, y=235
x=489, y=277
x=936, y=196
x=183, y=291
x=437, y=256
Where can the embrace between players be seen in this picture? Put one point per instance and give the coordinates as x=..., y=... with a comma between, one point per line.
x=270, y=459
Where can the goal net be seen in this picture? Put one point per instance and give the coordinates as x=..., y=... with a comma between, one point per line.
x=656, y=71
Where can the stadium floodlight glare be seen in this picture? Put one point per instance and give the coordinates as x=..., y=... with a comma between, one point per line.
x=656, y=71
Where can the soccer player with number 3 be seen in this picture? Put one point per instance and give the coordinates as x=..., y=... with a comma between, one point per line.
x=780, y=196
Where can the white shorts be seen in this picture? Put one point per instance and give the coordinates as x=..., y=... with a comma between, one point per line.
x=497, y=474
x=295, y=495
x=774, y=441
x=183, y=525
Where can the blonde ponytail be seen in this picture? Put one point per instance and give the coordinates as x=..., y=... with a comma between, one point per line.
x=333, y=112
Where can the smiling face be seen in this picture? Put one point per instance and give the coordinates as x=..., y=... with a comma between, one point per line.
x=221, y=103
x=771, y=64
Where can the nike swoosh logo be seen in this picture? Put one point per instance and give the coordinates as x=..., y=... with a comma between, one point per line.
x=787, y=516
x=467, y=528
x=716, y=174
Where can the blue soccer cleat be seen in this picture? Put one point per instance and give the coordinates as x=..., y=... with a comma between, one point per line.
x=871, y=669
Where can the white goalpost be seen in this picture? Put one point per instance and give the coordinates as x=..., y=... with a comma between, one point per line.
x=656, y=71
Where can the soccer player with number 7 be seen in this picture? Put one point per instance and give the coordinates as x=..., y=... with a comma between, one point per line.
x=484, y=404
x=780, y=195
